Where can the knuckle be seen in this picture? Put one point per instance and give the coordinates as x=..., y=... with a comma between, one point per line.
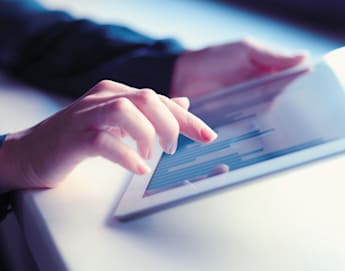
x=120, y=105
x=246, y=41
x=104, y=84
x=146, y=95
x=95, y=140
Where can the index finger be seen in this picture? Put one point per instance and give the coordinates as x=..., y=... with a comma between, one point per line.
x=190, y=125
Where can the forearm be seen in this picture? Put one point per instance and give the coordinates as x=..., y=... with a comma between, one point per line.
x=59, y=53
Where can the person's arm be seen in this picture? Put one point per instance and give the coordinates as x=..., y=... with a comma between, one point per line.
x=54, y=51
x=57, y=52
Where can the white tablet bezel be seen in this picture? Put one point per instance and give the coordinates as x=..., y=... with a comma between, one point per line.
x=133, y=203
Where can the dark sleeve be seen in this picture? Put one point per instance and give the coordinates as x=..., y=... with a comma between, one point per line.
x=5, y=198
x=54, y=51
x=5, y=204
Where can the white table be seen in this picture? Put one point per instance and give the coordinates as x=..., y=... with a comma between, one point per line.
x=289, y=221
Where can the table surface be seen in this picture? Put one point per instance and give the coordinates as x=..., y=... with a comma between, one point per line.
x=288, y=221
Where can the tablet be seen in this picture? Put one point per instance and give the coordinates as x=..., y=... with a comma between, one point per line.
x=265, y=125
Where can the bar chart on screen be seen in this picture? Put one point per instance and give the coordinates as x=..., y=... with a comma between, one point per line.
x=196, y=162
x=254, y=124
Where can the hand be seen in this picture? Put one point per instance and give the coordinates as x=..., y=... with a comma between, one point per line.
x=197, y=73
x=95, y=125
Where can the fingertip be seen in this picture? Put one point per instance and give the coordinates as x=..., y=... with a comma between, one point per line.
x=142, y=168
x=298, y=57
x=208, y=135
x=269, y=60
x=168, y=146
x=302, y=53
x=144, y=150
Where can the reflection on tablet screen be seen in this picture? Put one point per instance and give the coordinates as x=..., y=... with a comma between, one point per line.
x=257, y=123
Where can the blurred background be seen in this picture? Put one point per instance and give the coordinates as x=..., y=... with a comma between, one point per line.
x=314, y=25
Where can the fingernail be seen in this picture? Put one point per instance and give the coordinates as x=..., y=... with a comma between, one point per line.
x=208, y=134
x=171, y=149
x=143, y=168
x=148, y=154
x=185, y=101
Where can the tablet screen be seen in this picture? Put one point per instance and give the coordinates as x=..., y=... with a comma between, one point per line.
x=255, y=123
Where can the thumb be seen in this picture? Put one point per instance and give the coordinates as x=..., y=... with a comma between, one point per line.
x=270, y=60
